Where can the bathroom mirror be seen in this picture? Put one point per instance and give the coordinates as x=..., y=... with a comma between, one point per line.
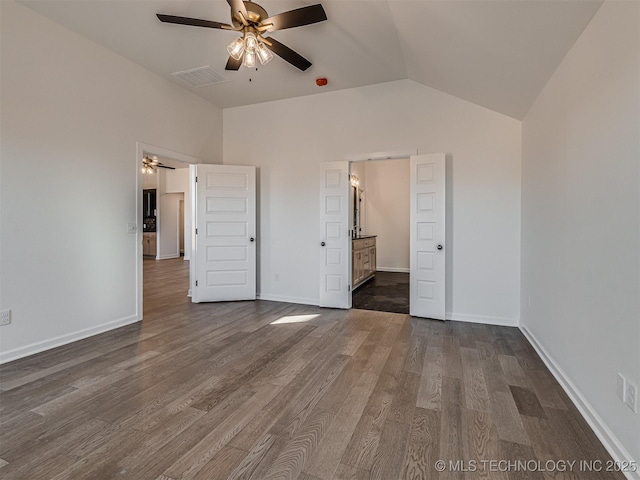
x=358, y=203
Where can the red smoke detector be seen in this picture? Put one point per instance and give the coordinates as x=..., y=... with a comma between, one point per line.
x=321, y=81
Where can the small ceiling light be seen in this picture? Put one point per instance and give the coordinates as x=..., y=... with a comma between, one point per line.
x=236, y=48
x=250, y=42
x=249, y=59
x=264, y=54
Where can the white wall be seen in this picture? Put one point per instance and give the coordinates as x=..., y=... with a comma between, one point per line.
x=150, y=180
x=580, y=219
x=72, y=113
x=483, y=151
x=177, y=182
x=387, y=210
x=168, y=228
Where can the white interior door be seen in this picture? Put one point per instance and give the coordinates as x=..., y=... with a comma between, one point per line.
x=427, y=244
x=224, y=256
x=335, y=241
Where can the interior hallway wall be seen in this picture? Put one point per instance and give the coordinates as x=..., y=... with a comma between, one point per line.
x=581, y=220
x=72, y=112
x=388, y=212
x=483, y=155
x=177, y=182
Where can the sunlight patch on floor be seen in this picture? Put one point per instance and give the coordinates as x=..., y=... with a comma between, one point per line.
x=294, y=319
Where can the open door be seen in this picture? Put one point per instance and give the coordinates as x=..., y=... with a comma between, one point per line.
x=335, y=241
x=224, y=256
x=427, y=244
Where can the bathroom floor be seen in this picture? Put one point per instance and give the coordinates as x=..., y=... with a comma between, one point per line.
x=386, y=292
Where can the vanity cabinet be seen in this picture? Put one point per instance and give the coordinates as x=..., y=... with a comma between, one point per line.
x=149, y=244
x=363, y=257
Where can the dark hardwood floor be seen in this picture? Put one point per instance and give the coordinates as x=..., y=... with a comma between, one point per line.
x=265, y=390
x=386, y=292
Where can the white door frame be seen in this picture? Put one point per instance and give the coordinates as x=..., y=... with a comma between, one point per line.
x=143, y=149
x=374, y=156
x=389, y=155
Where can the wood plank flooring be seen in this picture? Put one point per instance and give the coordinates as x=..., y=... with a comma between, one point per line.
x=266, y=390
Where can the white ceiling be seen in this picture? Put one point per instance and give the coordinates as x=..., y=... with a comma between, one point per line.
x=495, y=53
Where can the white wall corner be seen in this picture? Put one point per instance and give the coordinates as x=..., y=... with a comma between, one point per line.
x=166, y=257
x=487, y=320
x=392, y=270
x=597, y=424
x=283, y=298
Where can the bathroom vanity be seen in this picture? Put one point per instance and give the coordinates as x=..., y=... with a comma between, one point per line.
x=363, y=257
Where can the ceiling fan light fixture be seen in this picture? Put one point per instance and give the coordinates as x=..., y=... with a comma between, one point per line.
x=253, y=21
x=236, y=48
x=250, y=42
x=264, y=54
x=249, y=59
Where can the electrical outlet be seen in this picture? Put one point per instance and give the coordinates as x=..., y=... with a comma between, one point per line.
x=621, y=387
x=631, y=396
x=132, y=228
x=5, y=317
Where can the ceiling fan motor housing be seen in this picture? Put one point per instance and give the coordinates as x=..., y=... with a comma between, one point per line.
x=254, y=11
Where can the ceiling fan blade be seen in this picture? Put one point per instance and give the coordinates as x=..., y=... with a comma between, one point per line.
x=296, y=18
x=195, y=22
x=233, y=64
x=165, y=166
x=287, y=54
x=238, y=8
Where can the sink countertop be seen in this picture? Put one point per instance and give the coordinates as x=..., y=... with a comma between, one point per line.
x=360, y=237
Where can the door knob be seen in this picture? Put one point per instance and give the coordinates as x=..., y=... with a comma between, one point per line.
x=439, y=247
x=322, y=244
x=251, y=239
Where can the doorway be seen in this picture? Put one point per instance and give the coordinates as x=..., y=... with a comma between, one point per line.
x=427, y=253
x=380, y=244
x=161, y=228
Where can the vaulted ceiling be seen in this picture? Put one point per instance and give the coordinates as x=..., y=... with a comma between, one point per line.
x=496, y=53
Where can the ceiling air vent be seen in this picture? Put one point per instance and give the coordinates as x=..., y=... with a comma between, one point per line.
x=200, y=77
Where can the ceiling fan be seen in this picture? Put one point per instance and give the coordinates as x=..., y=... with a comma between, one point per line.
x=253, y=21
x=149, y=164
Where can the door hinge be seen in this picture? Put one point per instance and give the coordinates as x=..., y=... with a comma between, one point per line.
x=196, y=231
x=196, y=179
x=348, y=288
x=196, y=283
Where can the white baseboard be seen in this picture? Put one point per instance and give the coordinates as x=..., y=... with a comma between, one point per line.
x=38, y=347
x=165, y=257
x=285, y=299
x=392, y=269
x=464, y=317
x=602, y=431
